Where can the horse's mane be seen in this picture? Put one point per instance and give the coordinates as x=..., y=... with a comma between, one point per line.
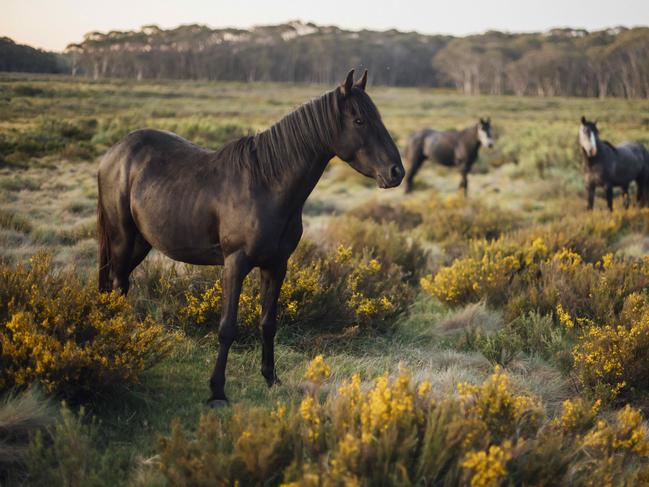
x=606, y=142
x=299, y=137
x=296, y=138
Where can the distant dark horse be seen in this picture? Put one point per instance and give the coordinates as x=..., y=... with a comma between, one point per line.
x=240, y=206
x=451, y=148
x=609, y=166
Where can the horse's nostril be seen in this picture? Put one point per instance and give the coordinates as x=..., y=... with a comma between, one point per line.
x=396, y=172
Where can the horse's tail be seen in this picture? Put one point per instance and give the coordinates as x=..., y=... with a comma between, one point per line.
x=645, y=176
x=103, y=256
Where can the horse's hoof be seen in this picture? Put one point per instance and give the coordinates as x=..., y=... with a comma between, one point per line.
x=273, y=381
x=218, y=403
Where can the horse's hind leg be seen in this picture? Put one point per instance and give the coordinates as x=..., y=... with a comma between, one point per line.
x=141, y=249
x=271, y=284
x=625, y=196
x=236, y=267
x=122, y=245
x=609, y=197
x=640, y=184
x=128, y=248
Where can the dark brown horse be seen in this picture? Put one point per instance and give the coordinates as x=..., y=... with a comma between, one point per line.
x=240, y=206
x=609, y=166
x=450, y=148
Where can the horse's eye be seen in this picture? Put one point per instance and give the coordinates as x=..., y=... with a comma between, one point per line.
x=359, y=121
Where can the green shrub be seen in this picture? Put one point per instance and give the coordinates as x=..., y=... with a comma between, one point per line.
x=457, y=219
x=69, y=453
x=384, y=242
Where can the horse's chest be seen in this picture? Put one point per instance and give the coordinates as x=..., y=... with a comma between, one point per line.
x=596, y=175
x=264, y=235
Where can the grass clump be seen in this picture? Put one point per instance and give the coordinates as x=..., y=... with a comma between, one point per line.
x=455, y=219
x=69, y=338
x=384, y=242
x=21, y=417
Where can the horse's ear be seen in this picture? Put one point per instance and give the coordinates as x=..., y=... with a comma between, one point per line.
x=482, y=121
x=583, y=120
x=362, y=82
x=346, y=87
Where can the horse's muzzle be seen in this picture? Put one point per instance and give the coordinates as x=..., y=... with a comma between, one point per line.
x=393, y=178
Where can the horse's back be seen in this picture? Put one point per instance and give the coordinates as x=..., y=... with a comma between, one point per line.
x=146, y=145
x=440, y=146
x=634, y=151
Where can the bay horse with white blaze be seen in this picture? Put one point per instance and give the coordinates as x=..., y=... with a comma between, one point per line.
x=240, y=206
x=450, y=148
x=609, y=166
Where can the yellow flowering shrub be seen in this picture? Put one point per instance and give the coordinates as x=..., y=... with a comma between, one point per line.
x=324, y=290
x=577, y=415
x=617, y=451
x=488, y=468
x=67, y=337
x=318, y=371
x=533, y=277
x=614, y=359
x=502, y=411
x=470, y=279
x=394, y=432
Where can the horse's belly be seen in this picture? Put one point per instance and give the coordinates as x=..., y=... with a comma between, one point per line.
x=192, y=238
x=197, y=256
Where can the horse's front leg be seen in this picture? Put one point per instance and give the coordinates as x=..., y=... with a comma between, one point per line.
x=609, y=197
x=627, y=199
x=464, y=183
x=236, y=267
x=271, y=285
x=591, y=196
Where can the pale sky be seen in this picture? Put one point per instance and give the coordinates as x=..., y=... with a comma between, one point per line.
x=52, y=24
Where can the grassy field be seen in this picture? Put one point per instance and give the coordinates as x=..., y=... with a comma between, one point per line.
x=515, y=312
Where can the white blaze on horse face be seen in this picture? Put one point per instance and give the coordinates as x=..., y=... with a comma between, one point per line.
x=593, y=144
x=587, y=141
x=484, y=138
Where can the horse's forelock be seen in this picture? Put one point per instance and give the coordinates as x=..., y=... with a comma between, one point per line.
x=362, y=105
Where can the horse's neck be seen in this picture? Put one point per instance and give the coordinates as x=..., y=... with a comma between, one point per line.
x=293, y=186
x=603, y=156
x=469, y=138
x=300, y=183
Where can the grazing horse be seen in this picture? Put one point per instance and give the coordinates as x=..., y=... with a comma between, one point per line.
x=609, y=166
x=450, y=148
x=240, y=206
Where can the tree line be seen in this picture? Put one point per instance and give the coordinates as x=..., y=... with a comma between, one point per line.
x=559, y=62
x=26, y=59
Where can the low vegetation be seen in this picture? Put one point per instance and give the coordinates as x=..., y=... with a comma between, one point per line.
x=491, y=340
x=67, y=338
